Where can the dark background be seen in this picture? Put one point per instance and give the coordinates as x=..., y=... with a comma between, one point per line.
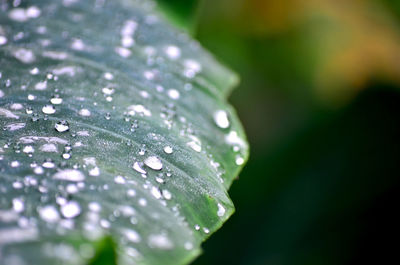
x=319, y=99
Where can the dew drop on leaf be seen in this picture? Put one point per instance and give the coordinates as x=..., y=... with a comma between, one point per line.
x=62, y=126
x=70, y=209
x=221, y=119
x=153, y=162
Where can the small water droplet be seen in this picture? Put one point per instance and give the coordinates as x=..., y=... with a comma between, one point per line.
x=62, y=126
x=166, y=194
x=49, y=213
x=131, y=235
x=15, y=163
x=160, y=241
x=70, y=209
x=49, y=109
x=138, y=168
x=221, y=119
x=94, y=172
x=34, y=71
x=168, y=149
x=70, y=175
x=239, y=160
x=56, y=100
x=119, y=180
x=108, y=76
x=84, y=112
x=28, y=149
x=173, y=94
x=3, y=40
x=48, y=163
x=221, y=210
x=18, y=205
x=156, y=193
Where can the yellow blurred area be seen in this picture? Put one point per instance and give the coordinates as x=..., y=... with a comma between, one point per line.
x=349, y=43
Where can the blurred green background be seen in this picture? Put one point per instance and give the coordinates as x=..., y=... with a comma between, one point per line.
x=319, y=99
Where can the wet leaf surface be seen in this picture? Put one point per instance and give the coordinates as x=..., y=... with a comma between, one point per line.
x=116, y=125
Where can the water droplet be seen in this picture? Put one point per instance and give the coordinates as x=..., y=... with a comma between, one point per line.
x=66, y=155
x=133, y=109
x=94, y=172
x=49, y=109
x=123, y=52
x=77, y=44
x=15, y=163
x=166, y=194
x=221, y=210
x=142, y=202
x=56, y=100
x=34, y=71
x=49, y=213
x=131, y=235
x=108, y=76
x=24, y=55
x=49, y=148
x=41, y=85
x=84, y=112
x=18, y=205
x=160, y=241
x=94, y=207
x=119, y=180
x=239, y=160
x=188, y=245
x=70, y=209
x=3, y=40
x=138, y=168
x=33, y=12
x=48, y=163
x=108, y=91
x=14, y=126
x=221, y=119
x=168, y=149
x=62, y=126
x=153, y=162
x=195, y=145
x=28, y=149
x=173, y=52
x=131, y=193
x=156, y=193
x=173, y=93
x=70, y=175
x=234, y=139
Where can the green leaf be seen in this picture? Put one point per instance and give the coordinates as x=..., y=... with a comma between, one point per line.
x=114, y=125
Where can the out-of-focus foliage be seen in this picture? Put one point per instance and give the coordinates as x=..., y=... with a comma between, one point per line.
x=330, y=48
x=319, y=98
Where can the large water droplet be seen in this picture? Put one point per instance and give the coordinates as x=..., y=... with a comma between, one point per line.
x=153, y=162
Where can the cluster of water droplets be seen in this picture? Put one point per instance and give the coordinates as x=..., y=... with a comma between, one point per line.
x=85, y=148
